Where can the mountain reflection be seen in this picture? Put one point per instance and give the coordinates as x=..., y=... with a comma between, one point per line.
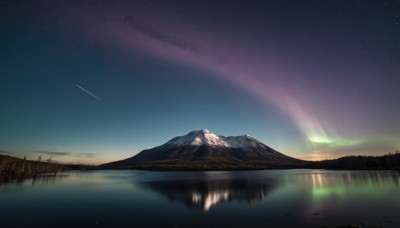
x=204, y=194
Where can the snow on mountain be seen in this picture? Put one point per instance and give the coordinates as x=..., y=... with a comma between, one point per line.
x=205, y=137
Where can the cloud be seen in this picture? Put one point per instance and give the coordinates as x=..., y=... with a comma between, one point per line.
x=52, y=153
x=6, y=152
x=88, y=154
x=57, y=153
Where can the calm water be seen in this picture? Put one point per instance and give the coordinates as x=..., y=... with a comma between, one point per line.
x=274, y=198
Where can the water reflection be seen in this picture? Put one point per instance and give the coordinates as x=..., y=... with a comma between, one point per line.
x=45, y=179
x=325, y=184
x=127, y=198
x=42, y=179
x=204, y=194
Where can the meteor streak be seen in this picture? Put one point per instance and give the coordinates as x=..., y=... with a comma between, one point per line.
x=91, y=94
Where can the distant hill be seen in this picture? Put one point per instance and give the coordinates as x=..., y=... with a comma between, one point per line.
x=203, y=150
x=388, y=161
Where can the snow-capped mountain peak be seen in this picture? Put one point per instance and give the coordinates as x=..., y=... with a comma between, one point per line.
x=197, y=138
x=205, y=137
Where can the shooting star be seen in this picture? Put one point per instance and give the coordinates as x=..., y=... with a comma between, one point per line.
x=91, y=94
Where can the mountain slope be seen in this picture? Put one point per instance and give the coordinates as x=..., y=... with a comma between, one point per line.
x=205, y=150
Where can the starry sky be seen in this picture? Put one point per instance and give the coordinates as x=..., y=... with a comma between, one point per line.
x=97, y=81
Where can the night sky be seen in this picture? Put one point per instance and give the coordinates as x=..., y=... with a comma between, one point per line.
x=97, y=81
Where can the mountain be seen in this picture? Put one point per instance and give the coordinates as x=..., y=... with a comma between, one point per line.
x=205, y=150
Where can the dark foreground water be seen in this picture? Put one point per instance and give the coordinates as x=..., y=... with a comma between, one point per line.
x=273, y=198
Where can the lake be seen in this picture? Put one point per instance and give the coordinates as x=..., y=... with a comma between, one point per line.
x=267, y=198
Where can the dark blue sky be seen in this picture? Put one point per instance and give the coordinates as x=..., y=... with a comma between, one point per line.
x=312, y=79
